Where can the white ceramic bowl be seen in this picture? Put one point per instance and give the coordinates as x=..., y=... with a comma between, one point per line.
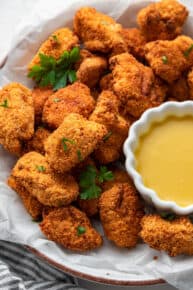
x=140, y=127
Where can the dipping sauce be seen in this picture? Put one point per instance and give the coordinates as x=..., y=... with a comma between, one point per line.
x=164, y=158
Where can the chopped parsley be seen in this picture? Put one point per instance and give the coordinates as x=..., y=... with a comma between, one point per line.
x=107, y=136
x=57, y=73
x=66, y=140
x=188, y=51
x=168, y=216
x=164, y=59
x=55, y=38
x=40, y=168
x=81, y=230
x=89, y=180
x=4, y=104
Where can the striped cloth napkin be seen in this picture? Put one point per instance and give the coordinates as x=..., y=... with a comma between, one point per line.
x=21, y=270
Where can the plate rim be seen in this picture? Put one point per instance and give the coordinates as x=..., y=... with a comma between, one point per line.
x=92, y=278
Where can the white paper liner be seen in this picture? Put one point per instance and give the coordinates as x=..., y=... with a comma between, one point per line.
x=16, y=225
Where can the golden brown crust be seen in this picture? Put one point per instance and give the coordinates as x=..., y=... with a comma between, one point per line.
x=17, y=119
x=49, y=188
x=162, y=20
x=75, y=98
x=121, y=213
x=107, y=113
x=175, y=237
x=89, y=206
x=40, y=95
x=135, y=41
x=174, y=51
x=91, y=69
x=119, y=176
x=66, y=40
x=135, y=85
x=190, y=83
x=32, y=205
x=61, y=225
x=106, y=83
x=37, y=142
x=179, y=90
x=85, y=136
x=98, y=31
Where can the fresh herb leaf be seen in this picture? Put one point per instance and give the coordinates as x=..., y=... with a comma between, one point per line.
x=88, y=181
x=56, y=73
x=55, y=38
x=79, y=155
x=107, y=136
x=4, y=104
x=64, y=141
x=168, y=216
x=81, y=230
x=164, y=59
x=188, y=51
x=104, y=174
x=40, y=168
x=56, y=100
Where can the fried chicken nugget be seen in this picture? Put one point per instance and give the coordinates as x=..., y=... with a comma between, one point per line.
x=71, y=228
x=59, y=41
x=175, y=237
x=32, y=205
x=16, y=117
x=121, y=213
x=37, y=142
x=98, y=31
x=162, y=20
x=34, y=174
x=106, y=112
x=169, y=59
x=179, y=90
x=106, y=83
x=75, y=98
x=91, y=69
x=135, y=85
x=40, y=95
x=74, y=140
x=135, y=41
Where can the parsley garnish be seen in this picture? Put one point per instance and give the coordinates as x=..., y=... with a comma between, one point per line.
x=164, y=59
x=79, y=155
x=168, y=216
x=188, y=51
x=107, y=136
x=4, y=104
x=64, y=141
x=55, y=38
x=56, y=100
x=81, y=230
x=40, y=168
x=88, y=181
x=56, y=73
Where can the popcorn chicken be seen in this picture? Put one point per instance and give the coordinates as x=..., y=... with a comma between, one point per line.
x=106, y=82
x=162, y=20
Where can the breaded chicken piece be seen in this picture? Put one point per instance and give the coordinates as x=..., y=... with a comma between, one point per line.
x=121, y=213
x=74, y=140
x=34, y=174
x=37, y=142
x=106, y=83
x=16, y=117
x=75, y=98
x=91, y=69
x=98, y=31
x=175, y=237
x=119, y=176
x=59, y=41
x=179, y=90
x=32, y=205
x=169, y=59
x=135, y=85
x=40, y=95
x=89, y=206
x=135, y=41
x=72, y=229
x=190, y=83
x=162, y=20
x=106, y=112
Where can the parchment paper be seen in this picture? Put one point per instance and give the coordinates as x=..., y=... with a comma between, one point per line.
x=15, y=224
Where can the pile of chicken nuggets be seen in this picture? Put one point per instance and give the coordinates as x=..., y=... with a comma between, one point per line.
x=58, y=135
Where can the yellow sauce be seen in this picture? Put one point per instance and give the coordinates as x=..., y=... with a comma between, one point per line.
x=164, y=158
